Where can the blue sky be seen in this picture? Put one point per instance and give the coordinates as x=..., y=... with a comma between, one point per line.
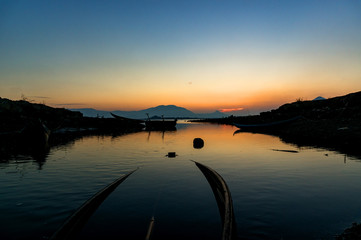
x=201, y=55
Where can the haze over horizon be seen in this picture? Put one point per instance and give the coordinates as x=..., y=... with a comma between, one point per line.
x=229, y=56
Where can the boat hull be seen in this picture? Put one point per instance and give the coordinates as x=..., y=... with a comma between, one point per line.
x=160, y=124
x=266, y=126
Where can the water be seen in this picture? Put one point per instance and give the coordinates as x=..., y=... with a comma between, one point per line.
x=310, y=194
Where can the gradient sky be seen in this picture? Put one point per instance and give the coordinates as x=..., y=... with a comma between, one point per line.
x=202, y=55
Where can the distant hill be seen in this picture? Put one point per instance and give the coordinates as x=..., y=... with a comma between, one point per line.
x=319, y=98
x=168, y=111
x=90, y=112
x=342, y=112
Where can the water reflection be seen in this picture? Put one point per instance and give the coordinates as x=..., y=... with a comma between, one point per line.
x=310, y=194
x=354, y=153
x=11, y=151
x=14, y=149
x=157, y=132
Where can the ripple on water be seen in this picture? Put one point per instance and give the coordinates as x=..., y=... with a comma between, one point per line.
x=275, y=194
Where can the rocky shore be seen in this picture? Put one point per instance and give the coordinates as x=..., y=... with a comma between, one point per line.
x=30, y=128
x=17, y=115
x=333, y=123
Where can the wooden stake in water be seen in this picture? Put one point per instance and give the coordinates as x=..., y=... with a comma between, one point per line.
x=77, y=220
x=150, y=229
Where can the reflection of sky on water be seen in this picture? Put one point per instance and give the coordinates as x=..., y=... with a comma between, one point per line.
x=276, y=194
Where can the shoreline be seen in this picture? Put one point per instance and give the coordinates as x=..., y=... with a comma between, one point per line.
x=333, y=123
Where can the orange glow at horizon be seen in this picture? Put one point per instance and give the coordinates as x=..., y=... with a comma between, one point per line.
x=261, y=100
x=213, y=59
x=230, y=109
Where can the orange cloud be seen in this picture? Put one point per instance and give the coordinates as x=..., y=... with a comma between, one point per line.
x=230, y=109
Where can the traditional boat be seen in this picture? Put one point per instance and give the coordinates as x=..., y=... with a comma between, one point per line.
x=224, y=201
x=129, y=123
x=160, y=124
x=151, y=124
x=126, y=119
x=269, y=125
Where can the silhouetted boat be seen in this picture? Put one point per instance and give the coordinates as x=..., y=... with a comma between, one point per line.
x=224, y=201
x=266, y=125
x=160, y=124
x=126, y=119
x=129, y=123
x=151, y=124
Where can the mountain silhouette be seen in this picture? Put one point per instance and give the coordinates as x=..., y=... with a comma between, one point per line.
x=168, y=111
x=319, y=98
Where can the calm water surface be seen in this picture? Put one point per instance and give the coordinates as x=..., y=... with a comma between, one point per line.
x=311, y=194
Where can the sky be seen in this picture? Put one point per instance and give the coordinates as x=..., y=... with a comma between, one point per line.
x=244, y=55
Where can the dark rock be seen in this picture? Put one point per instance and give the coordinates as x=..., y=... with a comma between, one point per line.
x=171, y=155
x=198, y=143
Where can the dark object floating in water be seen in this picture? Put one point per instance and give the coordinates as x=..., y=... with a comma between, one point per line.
x=284, y=150
x=224, y=201
x=266, y=125
x=198, y=143
x=171, y=155
x=76, y=221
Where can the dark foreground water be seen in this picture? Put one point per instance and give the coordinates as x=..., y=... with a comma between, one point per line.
x=309, y=194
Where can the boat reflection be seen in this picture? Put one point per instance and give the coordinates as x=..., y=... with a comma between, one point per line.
x=13, y=150
x=157, y=132
x=24, y=148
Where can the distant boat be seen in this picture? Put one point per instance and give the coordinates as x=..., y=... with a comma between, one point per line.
x=160, y=124
x=269, y=125
x=151, y=124
x=126, y=119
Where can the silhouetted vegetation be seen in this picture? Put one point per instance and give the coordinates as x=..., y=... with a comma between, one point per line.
x=15, y=115
x=331, y=123
x=351, y=233
x=31, y=129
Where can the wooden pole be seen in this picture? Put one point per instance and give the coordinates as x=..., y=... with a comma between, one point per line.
x=150, y=229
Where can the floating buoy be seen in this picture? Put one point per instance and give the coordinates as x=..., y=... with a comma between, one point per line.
x=198, y=143
x=171, y=155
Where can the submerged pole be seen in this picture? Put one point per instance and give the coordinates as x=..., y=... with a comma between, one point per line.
x=150, y=229
x=78, y=219
x=224, y=201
